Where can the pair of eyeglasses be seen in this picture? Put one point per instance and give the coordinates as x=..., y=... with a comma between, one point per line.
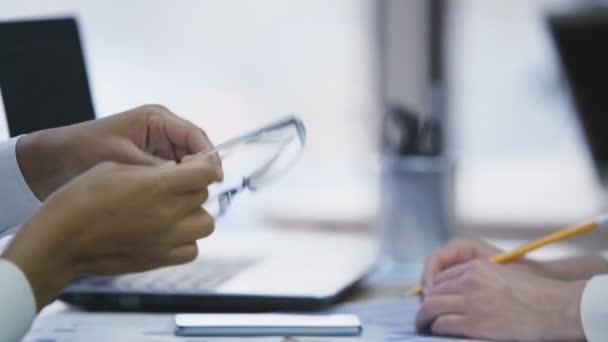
x=254, y=160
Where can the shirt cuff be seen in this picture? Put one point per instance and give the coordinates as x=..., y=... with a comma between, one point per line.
x=18, y=200
x=18, y=305
x=594, y=309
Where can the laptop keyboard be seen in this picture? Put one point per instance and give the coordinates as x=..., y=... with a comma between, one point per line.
x=201, y=275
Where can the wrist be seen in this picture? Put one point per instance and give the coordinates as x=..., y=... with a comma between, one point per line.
x=571, y=321
x=41, y=159
x=47, y=265
x=538, y=267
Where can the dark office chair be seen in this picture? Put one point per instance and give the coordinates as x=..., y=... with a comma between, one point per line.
x=42, y=75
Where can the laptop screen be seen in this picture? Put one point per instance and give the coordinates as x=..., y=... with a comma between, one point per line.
x=581, y=40
x=3, y=126
x=42, y=75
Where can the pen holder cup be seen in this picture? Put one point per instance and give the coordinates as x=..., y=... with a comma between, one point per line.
x=416, y=204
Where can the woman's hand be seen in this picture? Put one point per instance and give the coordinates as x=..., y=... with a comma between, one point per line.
x=480, y=299
x=147, y=135
x=115, y=218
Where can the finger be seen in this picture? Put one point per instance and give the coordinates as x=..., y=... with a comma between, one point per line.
x=195, y=199
x=188, y=177
x=452, y=273
x=180, y=152
x=199, y=224
x=433, y=307
x=185, y=203
x=455, y=252
x=119, y=265
x=450, y=325
x=184, y=134
x=214, y=159
x=158, y=142
x=455, y=286
x=137, y=156
x=439, y=260
x=181, y=254
x=197, y=141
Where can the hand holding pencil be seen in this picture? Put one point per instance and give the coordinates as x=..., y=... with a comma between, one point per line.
x=516, y=254
x=468, y=293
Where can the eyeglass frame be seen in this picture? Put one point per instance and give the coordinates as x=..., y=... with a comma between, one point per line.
x=225, y=197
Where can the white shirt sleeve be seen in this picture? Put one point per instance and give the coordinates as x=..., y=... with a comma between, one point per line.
x=17, y=201
x=594, y=309
x=17, y=304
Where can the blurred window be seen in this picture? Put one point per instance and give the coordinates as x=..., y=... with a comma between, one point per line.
x=232, y=66
x=521, y=155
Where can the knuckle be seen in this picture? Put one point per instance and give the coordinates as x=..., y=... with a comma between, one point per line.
x=191, y=254
x=211, y=172
x=194, y=254
x=203, y=196
x=440, y=326
x=208, y=224
x=425, y=309
x=106, y=165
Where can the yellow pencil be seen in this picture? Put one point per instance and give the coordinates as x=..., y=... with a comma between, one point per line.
x=562, y=234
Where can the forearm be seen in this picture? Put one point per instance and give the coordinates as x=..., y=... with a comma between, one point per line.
x=572, y=269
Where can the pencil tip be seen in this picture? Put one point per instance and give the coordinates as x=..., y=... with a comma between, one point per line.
x=414, y=291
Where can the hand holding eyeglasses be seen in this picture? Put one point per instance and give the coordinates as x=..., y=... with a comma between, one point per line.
x=254, y=160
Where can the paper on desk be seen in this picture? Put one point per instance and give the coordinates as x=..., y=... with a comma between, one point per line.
x=386, y=320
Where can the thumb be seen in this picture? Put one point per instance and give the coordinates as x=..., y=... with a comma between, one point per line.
x=135, y=155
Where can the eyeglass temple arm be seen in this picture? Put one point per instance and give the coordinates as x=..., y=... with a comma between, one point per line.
x=265, y=167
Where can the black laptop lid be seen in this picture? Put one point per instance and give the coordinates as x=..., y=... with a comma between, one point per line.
x=582, y=44
x=42, y=75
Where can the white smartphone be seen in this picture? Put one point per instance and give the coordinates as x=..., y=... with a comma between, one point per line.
x=266, y=325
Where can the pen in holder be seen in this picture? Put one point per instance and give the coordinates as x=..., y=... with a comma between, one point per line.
x=417, y=183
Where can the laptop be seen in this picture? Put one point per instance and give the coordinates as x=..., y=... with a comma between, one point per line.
x=43, y=78
x=42, y=70
x=240, y=271
x=580, y=38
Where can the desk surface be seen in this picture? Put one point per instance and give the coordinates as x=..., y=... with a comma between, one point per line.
x=385, y=313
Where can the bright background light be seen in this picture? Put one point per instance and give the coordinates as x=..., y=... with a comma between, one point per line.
x=230, y=66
